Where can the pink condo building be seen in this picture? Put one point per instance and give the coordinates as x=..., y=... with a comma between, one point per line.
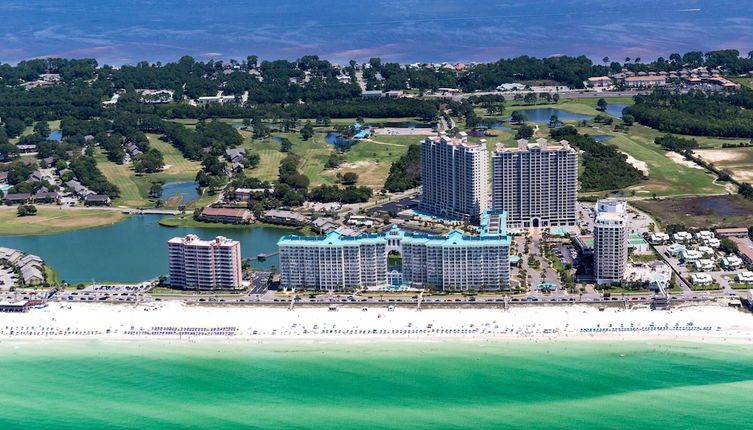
x=206, y=264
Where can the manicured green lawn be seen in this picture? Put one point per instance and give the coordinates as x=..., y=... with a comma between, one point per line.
x=55, y=220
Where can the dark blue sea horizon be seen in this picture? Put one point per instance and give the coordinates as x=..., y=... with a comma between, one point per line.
x=125, y=32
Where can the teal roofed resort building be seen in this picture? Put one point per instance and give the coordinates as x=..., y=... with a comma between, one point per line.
x=452, y=261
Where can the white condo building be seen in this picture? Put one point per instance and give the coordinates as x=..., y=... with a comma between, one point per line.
x=610, y=240
x=454, y=177
x=204, y=264
x=455, y=260
x=536, y=183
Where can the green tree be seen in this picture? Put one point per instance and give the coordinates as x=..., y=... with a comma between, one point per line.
x=525, y=131
x=26, y=210
x=155, y=190
x=349, y=178
x=601, y=104
x=518, y=117
x=14, y=127
x=42, y=128
x=307, y=131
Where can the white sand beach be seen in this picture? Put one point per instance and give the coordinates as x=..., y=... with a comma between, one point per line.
x=177, y=320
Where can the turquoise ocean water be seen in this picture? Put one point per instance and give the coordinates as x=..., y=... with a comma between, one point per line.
x=421, y=385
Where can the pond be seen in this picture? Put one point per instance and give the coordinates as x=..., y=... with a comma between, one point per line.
x=180, y=192
x=132, y=250
x=615, y=109
x=342, y=144
x=544, y=114
x=602, y=137
x=56, y=135
x=497, y=125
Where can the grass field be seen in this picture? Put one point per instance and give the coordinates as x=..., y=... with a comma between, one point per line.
x=51, y=220
x=700, y=212
x=748, y=82
x=134, y=187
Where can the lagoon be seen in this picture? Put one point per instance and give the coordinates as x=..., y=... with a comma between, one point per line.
x=544, y=114
x=133, y=250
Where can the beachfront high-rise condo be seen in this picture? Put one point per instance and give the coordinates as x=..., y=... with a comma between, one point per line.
x=204, y=264
x=452, y=261
x=536, y=183
x=610, y=240
x=454, y=177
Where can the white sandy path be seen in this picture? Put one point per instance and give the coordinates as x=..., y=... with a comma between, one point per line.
x=101, y=320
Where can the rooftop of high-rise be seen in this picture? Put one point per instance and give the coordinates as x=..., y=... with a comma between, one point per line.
x=194, y=240
x=540, y=144
x=460, y=139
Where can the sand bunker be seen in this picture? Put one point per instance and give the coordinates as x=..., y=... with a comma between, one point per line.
x=679, y=159
x=638, y=164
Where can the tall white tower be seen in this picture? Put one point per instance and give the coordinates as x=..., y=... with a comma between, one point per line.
x=610, y=240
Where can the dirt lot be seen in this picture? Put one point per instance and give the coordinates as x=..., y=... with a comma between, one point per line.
x=700, y=212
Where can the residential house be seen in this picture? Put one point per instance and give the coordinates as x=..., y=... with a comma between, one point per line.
x=235, y=155
x=732, y=262
x=704, y=265
x=659, y=238
x=276, y=216
x=78, y=189
x=675, y=250
x=97, y=200
x=701, y=279
x=17, y=198
x=26, y=149
x=704, y=235
x=690, y=255
x=732, y=232
x=372, y=94
x=682, y=237
x=324, y=225
x=3, y=177
x=745, y=277
x=599, y=82
x=645, y=81
x=46, y=196
x=226, y=216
